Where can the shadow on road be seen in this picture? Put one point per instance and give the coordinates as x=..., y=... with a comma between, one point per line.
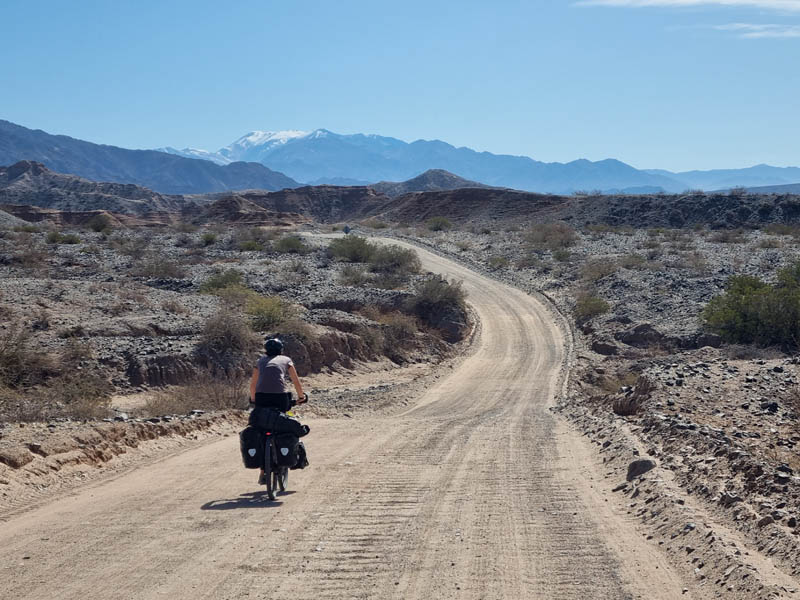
x=247, y=500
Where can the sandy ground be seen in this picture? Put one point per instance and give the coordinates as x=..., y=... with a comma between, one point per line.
x=476, y=491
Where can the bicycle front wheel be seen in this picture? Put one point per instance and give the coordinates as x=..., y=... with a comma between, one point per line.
x=282, y=478
x=268, y=470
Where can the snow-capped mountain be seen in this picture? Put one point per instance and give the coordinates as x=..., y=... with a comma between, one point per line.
x=196, y=153
x=322, y=156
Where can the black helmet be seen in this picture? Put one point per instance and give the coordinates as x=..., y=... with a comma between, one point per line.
x=273, y=346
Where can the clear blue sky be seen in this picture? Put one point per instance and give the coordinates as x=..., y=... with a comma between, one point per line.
x=674, y=84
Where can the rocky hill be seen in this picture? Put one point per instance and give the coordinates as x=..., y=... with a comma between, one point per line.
x=322, y=203
x=31, y=183
x=715, y=210
x=430, y=181
x=165, y=173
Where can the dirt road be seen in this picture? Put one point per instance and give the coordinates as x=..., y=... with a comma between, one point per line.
x=476, y=492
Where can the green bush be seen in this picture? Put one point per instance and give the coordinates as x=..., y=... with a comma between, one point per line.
x=54, y=237
x=438, y=224
x=99, y=223
x=291, y=244
x=396, y=260
x=498, y=262
x=436, y=297
x=250, y=246
x=751, y=311
x=26, y=229
x=266, y=312
x=589, y=306
x=561, y=255
x=226, y=333
x=208, y=238
x=224, y=279
x=352, y=249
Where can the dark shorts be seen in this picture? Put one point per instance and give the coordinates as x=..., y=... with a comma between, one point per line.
x=281, y=402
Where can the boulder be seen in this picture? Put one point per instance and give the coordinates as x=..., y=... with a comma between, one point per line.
x=15, y=457
x=639, y=467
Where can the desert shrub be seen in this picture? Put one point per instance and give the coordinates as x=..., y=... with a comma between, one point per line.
x=99, y=223
x=436, y=297
x=352, y=275
x=375, y=224
x=208, y=390
x=21, y=363
x=769, y=242
x=394, y=259
x=497, y=262
x=438, y=224
x=184, y=227
x=632, y=261
x=134, y=247
x=266, y=312
x=588, y=306
x=531, y=261
x=463, y=245
x=223, y=279
x=738, y=192
x=389, y=281
x=751, y=311
x=291, y=244
x=30, y=257
x=208, y=238
x=783, y=229
x=55, y=237
x=174, y=307
x=561, y=255
x=250, y=246
x=728, y=236
x=352, y=249
x=26, y=229
x=225, y=332
x=551, y=236
x=596, y=269
x=158, y=267
x=234, y=296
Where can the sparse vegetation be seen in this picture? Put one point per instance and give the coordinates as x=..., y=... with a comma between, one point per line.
x=596, y=269
x=752, y=311
x=588, y=306
x=291, y=244
x=439, y=224
x=352, y=249
x=221, y=280
x=266, y=312
x=551, y=236
x=55, y=237
x=352, y=275
x=159, y=267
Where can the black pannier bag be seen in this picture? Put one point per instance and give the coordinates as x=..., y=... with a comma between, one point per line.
x=251, y=442
x=286, y=449
x=275, y=421
x=302, y=457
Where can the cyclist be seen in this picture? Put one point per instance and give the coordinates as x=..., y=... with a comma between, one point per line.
x=269, y=385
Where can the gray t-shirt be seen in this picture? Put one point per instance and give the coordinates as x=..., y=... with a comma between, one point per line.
x=273, y=374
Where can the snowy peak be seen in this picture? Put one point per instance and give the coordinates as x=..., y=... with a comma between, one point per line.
x=260, y=138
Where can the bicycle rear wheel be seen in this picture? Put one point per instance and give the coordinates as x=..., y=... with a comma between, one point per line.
x=282, y=478
x=268, y=470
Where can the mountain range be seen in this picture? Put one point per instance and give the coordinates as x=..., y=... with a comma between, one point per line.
x=321, y=156
x=279, y=160
x=159, y=171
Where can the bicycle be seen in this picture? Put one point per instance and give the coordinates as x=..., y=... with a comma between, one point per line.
x=277, y=477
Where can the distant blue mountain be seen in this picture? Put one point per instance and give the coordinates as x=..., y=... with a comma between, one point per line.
x=324, y=156
x=159, y=171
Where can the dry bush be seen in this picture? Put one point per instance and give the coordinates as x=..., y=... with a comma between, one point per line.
x=395, y=260
x=631, y=401
x=729, y=236
x=588, y=306
x=352, y=275
x=173, y=306
x=32, y=257
x=352, y=249
x=221, y=280
x=207, y=391
x=158, y=267
x=531, y=261
x=632, y=261
x=598, y=268
x=375, y=224
x=463, y=245
x=497, y=262
x=135, y=247
x=291, y=244
x=438, y=224
x=562, y=255
x=21, y=363
x=226, y=333
x=552, y=236
x=769, y=242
